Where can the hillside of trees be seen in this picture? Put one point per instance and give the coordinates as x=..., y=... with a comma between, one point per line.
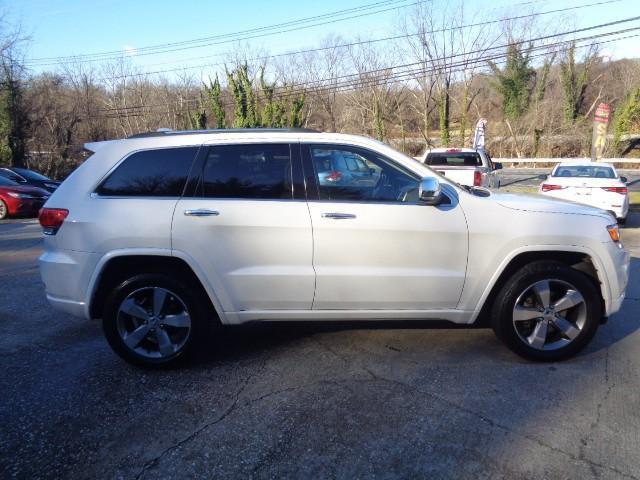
x=426, y=86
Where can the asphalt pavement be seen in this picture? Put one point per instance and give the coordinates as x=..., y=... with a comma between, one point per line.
x=309, y=402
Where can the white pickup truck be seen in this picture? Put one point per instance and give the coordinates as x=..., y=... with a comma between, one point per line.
x=464, y=166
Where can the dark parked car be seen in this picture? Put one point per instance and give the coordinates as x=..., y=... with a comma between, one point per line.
x=22, y=200
x=24, y=176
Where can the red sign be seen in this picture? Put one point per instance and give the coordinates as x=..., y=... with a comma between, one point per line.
x=602, y=113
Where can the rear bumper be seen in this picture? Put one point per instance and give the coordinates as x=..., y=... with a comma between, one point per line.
x=66, y=275
x=72, y=307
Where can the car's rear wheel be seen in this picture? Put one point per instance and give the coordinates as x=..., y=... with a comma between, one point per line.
x=4, y=210
x=152, y=320
x=547, y=311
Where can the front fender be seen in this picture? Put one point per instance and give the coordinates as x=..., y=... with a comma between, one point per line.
x=474, y=299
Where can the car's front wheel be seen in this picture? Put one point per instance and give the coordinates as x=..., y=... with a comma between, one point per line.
x=152, y=320
x=547, y=311
x=4, y=210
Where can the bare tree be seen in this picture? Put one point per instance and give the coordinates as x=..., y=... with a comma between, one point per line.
x=13, y=110
x=447, y=45
x=371, y=91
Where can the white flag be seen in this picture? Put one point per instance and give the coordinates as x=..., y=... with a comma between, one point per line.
x=478, y=138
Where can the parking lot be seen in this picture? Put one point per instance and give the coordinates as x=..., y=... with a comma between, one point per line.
x=309, y=401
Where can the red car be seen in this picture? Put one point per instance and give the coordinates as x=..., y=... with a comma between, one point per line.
x=20, y=200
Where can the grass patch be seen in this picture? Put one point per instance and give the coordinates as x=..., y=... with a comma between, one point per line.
x=634, y=201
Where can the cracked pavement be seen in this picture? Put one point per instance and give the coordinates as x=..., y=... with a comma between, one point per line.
x=292, y=401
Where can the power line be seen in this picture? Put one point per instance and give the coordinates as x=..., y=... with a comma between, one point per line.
x=480, y=51
x=303, y=85
x=356, y=43
x=230, y=53
x=355, y=84
x=219, y=36
x=230, y=38
x=406, y=74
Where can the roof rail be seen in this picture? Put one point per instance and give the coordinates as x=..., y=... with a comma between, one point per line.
x=166, y=132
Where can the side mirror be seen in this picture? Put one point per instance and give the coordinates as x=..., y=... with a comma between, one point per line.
x=543, y=177
x=624, y=179
x=497, y=165
x=429, y=191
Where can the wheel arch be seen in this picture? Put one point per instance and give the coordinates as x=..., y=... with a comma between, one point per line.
x=578, y=259
x=115, y=267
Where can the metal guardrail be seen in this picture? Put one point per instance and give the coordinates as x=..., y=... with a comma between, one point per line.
x=630, y=161
x=558, y=160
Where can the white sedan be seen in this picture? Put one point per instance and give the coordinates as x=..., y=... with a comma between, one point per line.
x=595, y=184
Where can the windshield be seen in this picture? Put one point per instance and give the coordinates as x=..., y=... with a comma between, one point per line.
x=5, y=182
x=30, y=174
x=584, y=171
x=454, y=159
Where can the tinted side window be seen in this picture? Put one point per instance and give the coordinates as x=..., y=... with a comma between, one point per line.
x=374, y=178
x=248, y=171
x=151, y=173
x=452, y=159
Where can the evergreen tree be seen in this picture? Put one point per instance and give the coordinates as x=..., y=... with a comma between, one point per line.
x=627, y=119
x=515, y=81
x=295, y=113
x=270, y=107
x=238, y=90
x=574, y=84
x=214, y=94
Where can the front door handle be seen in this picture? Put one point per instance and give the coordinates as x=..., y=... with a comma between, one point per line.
x=201, y=212
x=338, y=216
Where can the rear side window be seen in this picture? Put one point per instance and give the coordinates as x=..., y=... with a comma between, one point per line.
x=151, y=173
x=584, y=171
x=260, y=171
x=459, y=159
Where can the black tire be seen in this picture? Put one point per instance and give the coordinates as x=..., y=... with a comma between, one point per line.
x=4, y=210
x=202, y=319
x=622, y=221
x=502, y=310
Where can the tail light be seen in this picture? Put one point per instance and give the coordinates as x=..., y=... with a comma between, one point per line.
x=547, y=187
x=334, y=176
x=621, y=190
x=52, y=219
x=477, y=178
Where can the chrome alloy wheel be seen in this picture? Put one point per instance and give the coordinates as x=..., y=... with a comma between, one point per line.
x=549, y=314
x=153, y=322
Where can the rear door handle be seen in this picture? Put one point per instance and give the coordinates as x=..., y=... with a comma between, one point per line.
x=338, y=216
x=201, y=212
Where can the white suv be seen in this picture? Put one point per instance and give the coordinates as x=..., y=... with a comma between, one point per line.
x=168, y=234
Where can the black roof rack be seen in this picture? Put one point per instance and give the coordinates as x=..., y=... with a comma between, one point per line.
x=163, y=133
